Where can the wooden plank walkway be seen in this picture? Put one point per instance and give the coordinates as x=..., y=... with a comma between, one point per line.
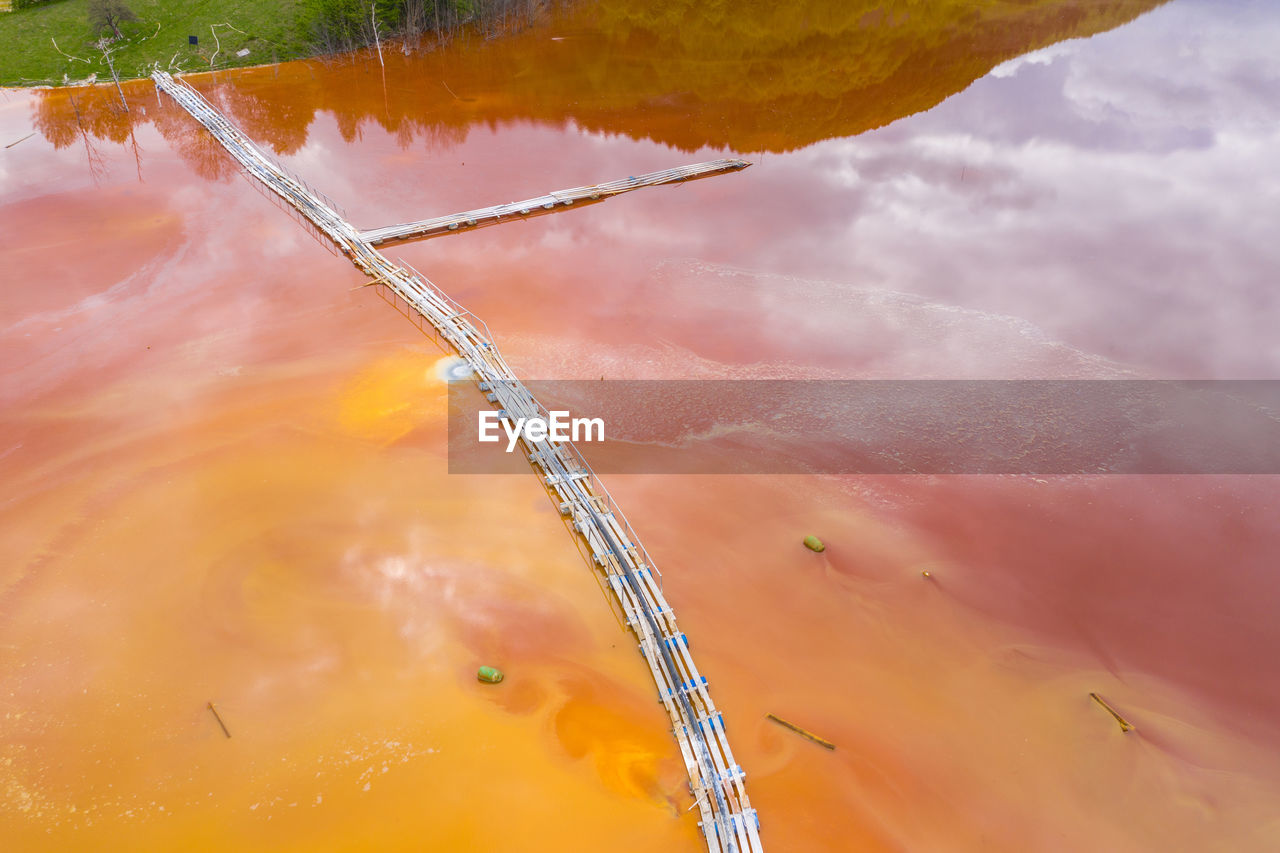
x=552, y=202
x=729, y=823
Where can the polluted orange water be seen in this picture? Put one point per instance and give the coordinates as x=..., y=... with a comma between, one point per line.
x=225, y=462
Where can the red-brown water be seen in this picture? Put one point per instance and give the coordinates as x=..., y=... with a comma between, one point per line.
x=225, y=465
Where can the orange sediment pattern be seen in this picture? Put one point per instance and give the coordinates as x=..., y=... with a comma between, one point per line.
x=256, y=510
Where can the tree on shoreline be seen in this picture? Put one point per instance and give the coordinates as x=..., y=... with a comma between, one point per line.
x=104, y=14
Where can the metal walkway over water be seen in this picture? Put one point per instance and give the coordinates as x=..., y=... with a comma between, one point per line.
x=729, y=823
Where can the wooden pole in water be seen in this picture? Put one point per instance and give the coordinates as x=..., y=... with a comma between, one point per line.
x=802, y=732
x=1125, y=725
x=218, y=717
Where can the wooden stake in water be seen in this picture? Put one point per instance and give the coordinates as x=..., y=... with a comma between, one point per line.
x=1125, y=725
x=218, y=717
x=802, y=732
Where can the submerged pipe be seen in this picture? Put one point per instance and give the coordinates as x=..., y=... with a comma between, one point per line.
x=552, y=202
x=1125, y=725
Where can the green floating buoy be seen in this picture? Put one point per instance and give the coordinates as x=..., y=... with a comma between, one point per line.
x=489, y=674
x=813, y=543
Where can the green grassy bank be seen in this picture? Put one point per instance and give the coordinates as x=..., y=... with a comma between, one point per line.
x=28, y=55
x=53, y=43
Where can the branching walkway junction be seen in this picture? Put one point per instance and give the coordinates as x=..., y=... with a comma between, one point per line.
x=729, y=823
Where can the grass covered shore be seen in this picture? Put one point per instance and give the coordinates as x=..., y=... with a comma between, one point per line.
x=54, y=43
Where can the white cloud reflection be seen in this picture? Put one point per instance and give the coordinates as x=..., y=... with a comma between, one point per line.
x=1116, y=194
x=1120, y=193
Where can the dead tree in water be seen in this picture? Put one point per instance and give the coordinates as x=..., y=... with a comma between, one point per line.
x=413, y=20
x=102, y=45
x=97, y=166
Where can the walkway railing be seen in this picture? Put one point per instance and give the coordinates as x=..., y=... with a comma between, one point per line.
x=729, y=823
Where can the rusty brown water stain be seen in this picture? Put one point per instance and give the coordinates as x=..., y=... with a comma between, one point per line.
x=754, y=76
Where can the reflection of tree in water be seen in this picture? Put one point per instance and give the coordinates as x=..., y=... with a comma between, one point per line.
x=60, y=115
x=280, y=124
x=192, y=142
x=762, y=75
x=440, y=137
x=64, y=116
x=98, y=168
x=752, y=75
x=84, y=116
x=349, y=121
x=54, y=116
